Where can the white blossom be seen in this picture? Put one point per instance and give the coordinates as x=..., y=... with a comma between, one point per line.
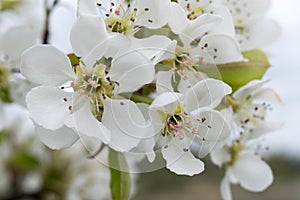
x=181, y=119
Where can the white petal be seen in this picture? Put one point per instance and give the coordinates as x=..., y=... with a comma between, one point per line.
x=248, y=89
x=167, y=101
x=157, y=48
x=190, y=80
x=264, y=128
x=48, y=107
x=253, y=173
x=87, y=124
x=208, y=92
x=254, y=37
x=212, y=133
x=180, y=161
x=253, y=11
x=266, y=94
x=126, y=123
x=226, y=26
x=198, y=27
x=158, y=13
x=164, y=81
x=131, y=70
x=87, y=32
x=178, y=23
x=225, y=189
x=221, y=48
x=87, y=7
x=14, y=45
x=146, y=147
x=57, y=139
x=116, y=43
x=219, y=156
x=46, y=65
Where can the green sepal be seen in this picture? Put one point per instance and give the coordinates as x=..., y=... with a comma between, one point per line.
x=120, y=178
x=73, y=59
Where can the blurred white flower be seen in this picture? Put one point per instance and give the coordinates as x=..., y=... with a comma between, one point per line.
x=243, y=167
x=196, y=8
x=250, y=105
x=253, y=28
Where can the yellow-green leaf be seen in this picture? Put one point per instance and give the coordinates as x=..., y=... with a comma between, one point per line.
x=240, y=73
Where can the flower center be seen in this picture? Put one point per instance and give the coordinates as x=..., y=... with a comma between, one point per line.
x=193, y=14
x=174, y=122
x=179, y=123
x=122, y=20
x=183, y=62
x=95, y=85
x=8, y=4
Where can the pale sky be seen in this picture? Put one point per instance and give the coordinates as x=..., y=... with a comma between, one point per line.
x=285, y=76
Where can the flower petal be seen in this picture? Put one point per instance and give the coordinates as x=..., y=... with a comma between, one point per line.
x=168, y=101
x=49, y=106
x=131, y=70
x=180, y=160
x=87, y=32
x=164, y=81
x=266, y=94
x=127, y=124
x=86, y=124
x=254, y=37
x=249, y=166
x=225, y=189
x=14, y=45
x=157, y=48
x=219, y=156
x=46, y=65
x=190, y=79
x=248, y=89
x=87, y=7
x=177, y=23
x=208, y=92
x=264, y=128
x=157, y=15
x=221, y=48
x=212, y=132
x=226, y=26
x=61, y=138
x=189, y=30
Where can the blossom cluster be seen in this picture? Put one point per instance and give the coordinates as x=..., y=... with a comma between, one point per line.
x=145, y=78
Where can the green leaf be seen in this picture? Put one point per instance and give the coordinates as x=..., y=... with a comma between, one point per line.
x=240, y=73
x=120, y=180
x=8, y=4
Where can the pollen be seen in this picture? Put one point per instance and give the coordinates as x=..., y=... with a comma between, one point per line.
x=93, y=85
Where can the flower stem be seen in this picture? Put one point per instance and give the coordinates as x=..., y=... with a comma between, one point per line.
x=137, y=98
x=47, y=21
